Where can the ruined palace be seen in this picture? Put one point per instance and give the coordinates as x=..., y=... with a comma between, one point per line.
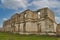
x=41, y=21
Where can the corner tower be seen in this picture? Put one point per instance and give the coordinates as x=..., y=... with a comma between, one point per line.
x=47, y=21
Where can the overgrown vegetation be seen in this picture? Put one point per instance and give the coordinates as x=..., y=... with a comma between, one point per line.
x=10, y=36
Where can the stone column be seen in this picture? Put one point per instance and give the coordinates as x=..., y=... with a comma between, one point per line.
x=13, y=28
x=38, y=27
x=24, y=27
x=19, y=27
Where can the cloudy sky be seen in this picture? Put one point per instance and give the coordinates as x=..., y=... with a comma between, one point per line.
x=10, y=7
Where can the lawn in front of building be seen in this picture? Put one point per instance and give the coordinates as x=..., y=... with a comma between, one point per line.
x=10, y=36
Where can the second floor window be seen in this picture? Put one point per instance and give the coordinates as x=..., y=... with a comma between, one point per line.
x=38, y=14
x=25, y=15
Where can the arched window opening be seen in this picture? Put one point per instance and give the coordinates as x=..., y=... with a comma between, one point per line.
x=39, y=14
x=25, y=15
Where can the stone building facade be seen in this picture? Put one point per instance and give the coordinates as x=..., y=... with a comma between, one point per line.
x=58, y=29
x=41, y=22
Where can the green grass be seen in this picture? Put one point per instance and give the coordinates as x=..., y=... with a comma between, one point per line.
x=10, y=36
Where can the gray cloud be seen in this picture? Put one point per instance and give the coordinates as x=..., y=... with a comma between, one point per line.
x=14, y=4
